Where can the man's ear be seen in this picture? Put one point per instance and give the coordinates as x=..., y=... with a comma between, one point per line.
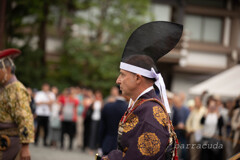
x=8, y=69
x=138, y=78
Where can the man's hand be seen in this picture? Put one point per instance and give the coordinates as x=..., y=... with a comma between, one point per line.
x=25, y=153
x=181, y=125
x=100, y=152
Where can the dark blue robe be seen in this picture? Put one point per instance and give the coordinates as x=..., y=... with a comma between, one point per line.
x=111, y=115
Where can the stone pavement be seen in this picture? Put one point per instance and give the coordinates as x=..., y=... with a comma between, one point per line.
x=46, y=153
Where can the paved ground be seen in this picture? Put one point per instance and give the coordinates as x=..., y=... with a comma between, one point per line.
x=43, y=153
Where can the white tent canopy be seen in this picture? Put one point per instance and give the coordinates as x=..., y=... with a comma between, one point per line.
x=225, y=84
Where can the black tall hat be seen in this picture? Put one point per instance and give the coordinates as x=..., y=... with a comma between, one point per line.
x=154, y=39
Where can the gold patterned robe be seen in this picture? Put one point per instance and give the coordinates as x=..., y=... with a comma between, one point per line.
x=147, y=133
x=15, y=111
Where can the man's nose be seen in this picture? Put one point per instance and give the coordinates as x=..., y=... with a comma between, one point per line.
x=118, y=80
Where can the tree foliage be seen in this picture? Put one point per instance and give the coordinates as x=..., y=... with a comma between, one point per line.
x=22, y=24
x=26, y=24
x=92, y=58
x=93, y=34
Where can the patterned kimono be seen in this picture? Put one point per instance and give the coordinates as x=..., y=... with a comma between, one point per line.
x=146, y=133
x=16, y=120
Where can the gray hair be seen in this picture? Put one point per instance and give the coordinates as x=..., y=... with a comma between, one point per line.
x=8, y=62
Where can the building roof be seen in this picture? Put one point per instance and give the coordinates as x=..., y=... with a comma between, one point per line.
x=224, y=84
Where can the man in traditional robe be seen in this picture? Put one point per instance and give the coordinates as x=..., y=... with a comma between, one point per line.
x=145, y=131
x=16, y=119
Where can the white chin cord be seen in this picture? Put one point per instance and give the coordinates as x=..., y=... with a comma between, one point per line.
x=4, y=69
x=150, y=74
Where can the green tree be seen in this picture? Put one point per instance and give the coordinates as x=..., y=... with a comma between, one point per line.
x=92, y=57
x=27, y=23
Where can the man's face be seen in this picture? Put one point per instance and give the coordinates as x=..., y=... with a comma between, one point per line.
x=212, y=106
x=114, y=91
x=45, y=87
x=197, y=102
x=1, y=75
x=127, y=82
x=177, y=101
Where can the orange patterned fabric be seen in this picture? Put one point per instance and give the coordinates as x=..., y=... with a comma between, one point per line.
x=131, y=122
x=14, y=108
x=149, y=144
x=160, y=115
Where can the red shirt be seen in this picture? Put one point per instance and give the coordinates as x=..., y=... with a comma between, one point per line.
x=69, y=108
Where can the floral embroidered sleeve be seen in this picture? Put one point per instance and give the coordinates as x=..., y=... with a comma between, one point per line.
x=21, y=113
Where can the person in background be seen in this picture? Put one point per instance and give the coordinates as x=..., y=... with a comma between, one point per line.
x=68, y=115
x=180, y=116
x=55, y=124
x=212, y=123
x=79, y=96
x=114, y=93
x=32, y=102
x=34, y=92
x=111, y=114
x=182, y=96
x=204, y=97
x=228, y=104
x=55, y=90
x=224, y=112
x=194, y=127
x=170, y=97
x=16, y=119
x=191, y=104
x=87, y=117
x=235, y=122
x=44, y=100
x=95, y=121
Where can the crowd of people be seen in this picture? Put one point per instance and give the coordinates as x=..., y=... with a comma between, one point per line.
x=207, y=127
x=75, y=112
x=84, y=116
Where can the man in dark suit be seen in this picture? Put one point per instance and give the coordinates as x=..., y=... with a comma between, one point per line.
x=111, y=115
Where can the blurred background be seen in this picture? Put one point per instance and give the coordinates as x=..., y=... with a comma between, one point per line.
x=79, y=43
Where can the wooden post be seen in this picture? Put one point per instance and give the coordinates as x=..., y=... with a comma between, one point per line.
x=2, y=23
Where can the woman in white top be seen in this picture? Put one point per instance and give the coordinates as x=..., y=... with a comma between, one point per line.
x=212, y=122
